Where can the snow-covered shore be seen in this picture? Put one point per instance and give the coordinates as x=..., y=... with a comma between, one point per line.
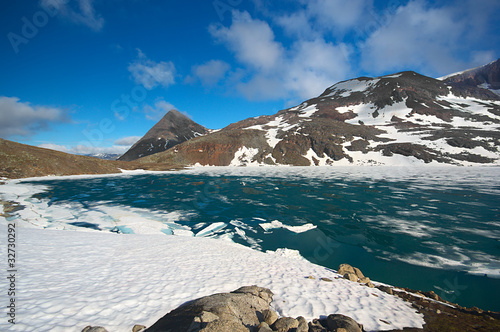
x=67, y=280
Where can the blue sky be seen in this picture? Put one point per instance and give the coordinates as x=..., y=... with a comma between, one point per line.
x=89, y=76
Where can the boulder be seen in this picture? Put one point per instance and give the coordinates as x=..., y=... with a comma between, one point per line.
x=269, y=316
x=336, y=322
x=235, y=311
x=386, y=289
x=285, y=324
x=264, y=327
x=345, y=268
x=351, y=277
x=94, y=329
x=358, y=273
x=316, y=326
x=223, y=326
x=138, y=328
x=303, y=327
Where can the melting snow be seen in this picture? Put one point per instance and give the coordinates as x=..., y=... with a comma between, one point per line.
x=348, y=87
x=73, y=279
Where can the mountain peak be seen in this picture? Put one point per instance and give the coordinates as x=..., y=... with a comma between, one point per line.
x=172, y=129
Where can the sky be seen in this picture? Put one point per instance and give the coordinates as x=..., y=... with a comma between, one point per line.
x=93, y=76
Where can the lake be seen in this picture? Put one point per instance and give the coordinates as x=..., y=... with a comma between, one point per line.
x=426, y=228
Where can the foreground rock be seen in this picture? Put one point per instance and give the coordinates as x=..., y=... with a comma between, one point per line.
x=245, y=309
x=240, y=310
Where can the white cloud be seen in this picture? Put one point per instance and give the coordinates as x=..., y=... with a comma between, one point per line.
x=56, y=147
x=429, y=39
x=316, y=65
x=211, y=72
x=251, y=40
x=337, y=14
x=77, y=11
x=274, y=71
x=150, y=73
x=22, y=119
x=87, y=149
x=127, y=141
x=158, y=111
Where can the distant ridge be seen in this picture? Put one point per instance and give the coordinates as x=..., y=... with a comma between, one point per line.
x=174, y=128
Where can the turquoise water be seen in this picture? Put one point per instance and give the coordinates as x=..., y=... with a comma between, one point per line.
x=434, y=229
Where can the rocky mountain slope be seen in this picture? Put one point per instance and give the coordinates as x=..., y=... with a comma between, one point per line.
x=405, y=118
x=172, y=129
x=487, y=76
x=21, y=161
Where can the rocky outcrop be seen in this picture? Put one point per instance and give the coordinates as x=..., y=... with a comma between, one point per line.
x=239, y=310
x=245, y=309
x=354, y=274
x=487, y=76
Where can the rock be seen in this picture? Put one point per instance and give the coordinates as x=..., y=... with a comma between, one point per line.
x=223, y=326
x=340, y=321
x=326, y=279
x=358, y=273
x=94, y=329
x=345, y=268
x=269, y=316
x=207, y=317
x=432, y=295
x=261, y=292
x=236, y=311
x=386, y=289
x=264, y=327
x=364, y=280
x=369, y=284
x=351, y=277
x=303, y=327
x=138, y=328
x=310, y=277
x=284, y=324
x=316, y=326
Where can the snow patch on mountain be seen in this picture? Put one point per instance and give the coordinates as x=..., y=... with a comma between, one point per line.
x=346, y=88
x=244, y=157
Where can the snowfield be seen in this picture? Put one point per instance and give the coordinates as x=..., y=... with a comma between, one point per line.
x=67, y=280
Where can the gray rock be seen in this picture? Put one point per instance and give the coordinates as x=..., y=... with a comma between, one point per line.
x=284, y=324
x=345, y=268
x=269, y=316
x=94, y=329
x=264, y=327
x=223, y=326
x=138, y=328
x=351, y=277
x=316, y=326
x=386, y=289
x=358, y=273
x=336, y=322
x=235, y=311
x=303, y=327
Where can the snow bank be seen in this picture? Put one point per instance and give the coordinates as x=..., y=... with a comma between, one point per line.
x=67, y=280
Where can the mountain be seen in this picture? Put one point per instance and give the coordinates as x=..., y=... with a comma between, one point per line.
x=404, y=118
x=105, y=156
x=174, y=128
x=487, y=76
x=20, y=161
